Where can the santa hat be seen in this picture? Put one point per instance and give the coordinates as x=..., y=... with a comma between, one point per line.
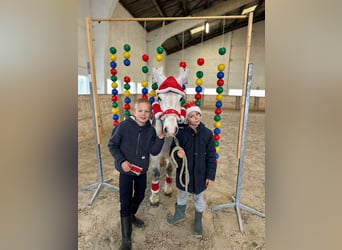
x=191, y=107
x=170, y=83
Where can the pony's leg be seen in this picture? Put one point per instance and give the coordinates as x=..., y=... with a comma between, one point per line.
x=168, y=178
x=154, y=197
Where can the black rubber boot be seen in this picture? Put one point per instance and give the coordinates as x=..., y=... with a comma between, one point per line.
x=126, y=230
x=198, y=224
x=178, y=216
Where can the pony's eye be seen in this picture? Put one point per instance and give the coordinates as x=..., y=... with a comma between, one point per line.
x=158, y=99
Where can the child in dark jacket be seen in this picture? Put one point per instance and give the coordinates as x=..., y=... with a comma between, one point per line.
x=131, y=143
x=196, y=142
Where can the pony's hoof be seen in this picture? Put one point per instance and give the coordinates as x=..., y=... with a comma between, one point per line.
x=154, y=200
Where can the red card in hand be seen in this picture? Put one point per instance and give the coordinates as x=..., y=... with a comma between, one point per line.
x=136, y=169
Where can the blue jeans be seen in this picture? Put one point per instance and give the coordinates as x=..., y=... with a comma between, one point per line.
x=182, y=199
x=132, y=192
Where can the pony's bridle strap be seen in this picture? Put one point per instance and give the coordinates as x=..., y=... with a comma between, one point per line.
x=170, y=112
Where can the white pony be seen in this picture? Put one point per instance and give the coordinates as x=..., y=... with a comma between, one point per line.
x=168, y=113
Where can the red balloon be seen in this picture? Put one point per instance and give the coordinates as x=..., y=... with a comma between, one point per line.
x=220, y=82
x=145, y=57
x=216, y=137
x=200, y=61
x=127, y=79
x=115, y=122
x=198, y=96
x=182, y=64
x=113, y=71
x=127, y=106
x=218, y=111
x=114, y=98
x=144, y=96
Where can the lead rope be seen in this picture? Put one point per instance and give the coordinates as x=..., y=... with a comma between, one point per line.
x=184, y=167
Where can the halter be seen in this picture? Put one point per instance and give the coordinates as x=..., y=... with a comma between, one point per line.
x=169, y=112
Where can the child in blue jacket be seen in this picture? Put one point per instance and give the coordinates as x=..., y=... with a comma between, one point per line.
x=196, y=142
x=131, y=143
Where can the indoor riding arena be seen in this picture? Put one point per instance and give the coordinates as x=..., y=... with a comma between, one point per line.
x=221, y=46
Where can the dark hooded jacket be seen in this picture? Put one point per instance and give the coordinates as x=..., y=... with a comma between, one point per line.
x=134, y=143
x=201, y=156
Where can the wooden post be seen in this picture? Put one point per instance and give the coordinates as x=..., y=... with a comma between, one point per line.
x=93, y=79
x=243, y=97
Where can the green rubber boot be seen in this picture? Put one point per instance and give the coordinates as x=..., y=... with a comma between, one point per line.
x=198, y=224
x=178, y=216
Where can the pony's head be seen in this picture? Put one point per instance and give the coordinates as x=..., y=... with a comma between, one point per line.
x=167, y=109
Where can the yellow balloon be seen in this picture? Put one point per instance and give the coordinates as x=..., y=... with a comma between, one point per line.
x=126, y=93
x=112, y=57
x=114, y=85
x=144, y=84
x=127, y=54
x=159, y=57
x=219, y=97
x=115, y=110
x=220, y=67
x=153, y=93
x=217, y=124
x=217, y=149
x=199, y=81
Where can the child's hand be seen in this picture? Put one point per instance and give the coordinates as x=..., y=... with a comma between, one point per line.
x=126, y=166
x=208, y=182
x=181, y=153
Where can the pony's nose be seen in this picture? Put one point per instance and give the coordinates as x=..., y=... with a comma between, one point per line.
x=169, y=133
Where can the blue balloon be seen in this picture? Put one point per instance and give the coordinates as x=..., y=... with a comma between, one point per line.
x=217, y=131
x=151, y=99
x=127, y=62
x=127, y=100
x=114, y=92
x=217, y=155
x=218, y=104
x=198, y=89
x=183, y=87
x=115, y=117
x=220, y=74
x=113, y=64
x=144, y=91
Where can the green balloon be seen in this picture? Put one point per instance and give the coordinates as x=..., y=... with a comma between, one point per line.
x=199, y=74
x=144, y=69
x=217, y=143
x=198, y=103
x=222, y=51
x=127, y=47
x=154, y=86
x=160, y=50
x=183, y=101
x=114, y=104
x=112, y=50
x=127, y=113
x=219, y=90
x=127, y=86
x=217, y=118
x=114, y=78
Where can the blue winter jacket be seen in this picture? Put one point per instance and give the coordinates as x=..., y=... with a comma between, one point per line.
x=134, y=143
x=201, y=155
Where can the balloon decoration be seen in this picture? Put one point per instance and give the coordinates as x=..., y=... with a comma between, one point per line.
x=218, y=104
x=154, y=87
x=144, y=83
x=127, y=80
x=199, y=82
x=114, y=78
x=182, y=64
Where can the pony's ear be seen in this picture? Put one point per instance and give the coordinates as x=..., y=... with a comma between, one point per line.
x=183, y=76
x=158, y=75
